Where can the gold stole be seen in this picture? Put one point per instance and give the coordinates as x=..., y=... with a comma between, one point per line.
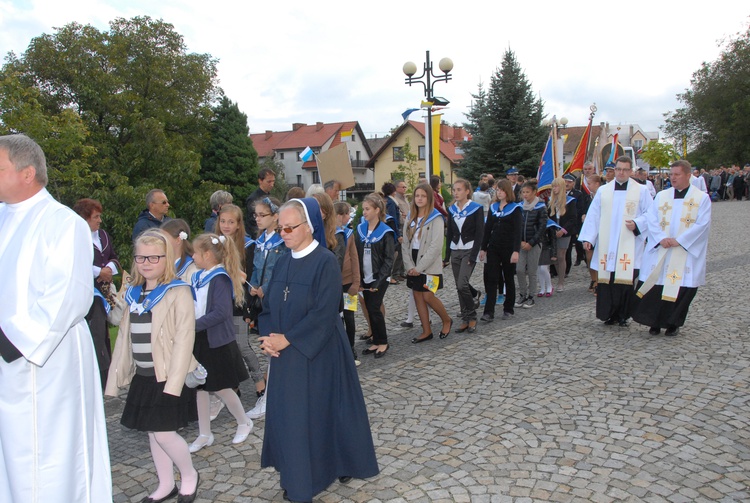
x=624, y=262
x=678, y=257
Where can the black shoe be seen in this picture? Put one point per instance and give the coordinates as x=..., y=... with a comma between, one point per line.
x=623, y=323
x=344, y=480
x=462, y=329
x=381, y=354
x=368, y=351
x=443, y=335
x=654, y=331
x=672, y=331
x=149, y=499
x=477, y=300
x=578, y=262
x=472, y=328
x=417, y=340
x=406, y=324
x=487, y=317
x=189, y=498
x=610, y=322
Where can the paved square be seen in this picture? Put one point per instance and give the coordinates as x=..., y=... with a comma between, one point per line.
x=549, y=406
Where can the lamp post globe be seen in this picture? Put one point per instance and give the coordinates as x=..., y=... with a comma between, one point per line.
x=410, y=68
x=446, y=65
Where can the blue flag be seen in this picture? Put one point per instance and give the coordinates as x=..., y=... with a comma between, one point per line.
x=546, y=172
x=408, y=112
x=306, y=154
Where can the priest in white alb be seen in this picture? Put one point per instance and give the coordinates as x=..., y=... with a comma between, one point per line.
x=618, y=249
x=53, y=438
x=674, y=264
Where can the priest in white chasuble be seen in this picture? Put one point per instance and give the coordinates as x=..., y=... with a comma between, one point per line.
x=674, y=264
x=618, y=246
x=53, y=438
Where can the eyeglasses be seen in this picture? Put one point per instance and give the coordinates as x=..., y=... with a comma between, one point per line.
x=261, y=215
x=152, y=259
x=290, y=228
x=163, y=202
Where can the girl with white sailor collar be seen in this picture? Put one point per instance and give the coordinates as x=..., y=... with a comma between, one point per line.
x=269, y=246
x=375, y=247
x=500, y=245
x=422, y=247
x=154, y=353
x=179, y=233
x=465, y=231
x=217, y=284
x=562, y=209
x=230, y=223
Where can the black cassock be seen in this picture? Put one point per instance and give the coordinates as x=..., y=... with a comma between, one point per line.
x=317, y=427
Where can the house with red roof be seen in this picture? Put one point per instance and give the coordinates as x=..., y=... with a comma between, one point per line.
x=285, y=147
x=387, y=159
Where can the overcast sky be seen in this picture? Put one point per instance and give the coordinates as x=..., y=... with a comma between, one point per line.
x=331, y=61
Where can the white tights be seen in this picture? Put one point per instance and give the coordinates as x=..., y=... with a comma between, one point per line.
x=169, y=450
x=230, y=399
x=545, y=280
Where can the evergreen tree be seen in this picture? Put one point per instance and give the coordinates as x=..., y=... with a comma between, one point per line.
x=505, y=124
x=229, y=158
x=477, y=156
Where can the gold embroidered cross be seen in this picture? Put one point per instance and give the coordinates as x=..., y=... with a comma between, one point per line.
x=687, y=220
x=673, y=276
x=691, y=203
x=663, y=224
x=603, y=261
x=625, y=262
x=665, y=207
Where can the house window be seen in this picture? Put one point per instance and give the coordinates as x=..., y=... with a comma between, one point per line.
x=354, y=137
x=421, y=151
x=316, y=177
x=398, y=153
x=356, y=155
x=637, y=144
x=281, y=156
x=299, y=180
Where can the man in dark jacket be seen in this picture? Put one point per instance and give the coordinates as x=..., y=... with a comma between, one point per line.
x=266, y=179
x=155, y=214
x=582, y=201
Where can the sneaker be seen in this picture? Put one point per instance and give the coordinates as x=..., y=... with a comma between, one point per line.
x=216, y=406
x=507, y=316
x=259, y=411
x=483, y=301
x=500, y=300
x=478, y=300
x=521, y=300
x=529, y=302
x=357, y=363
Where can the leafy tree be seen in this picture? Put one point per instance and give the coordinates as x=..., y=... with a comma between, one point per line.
x=659, y=155
x=408, y=172
x=229, y=158
x=715, y=118
x=505, y=124
x=143, y=107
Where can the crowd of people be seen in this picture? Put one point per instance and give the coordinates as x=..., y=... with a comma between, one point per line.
x=270, y=293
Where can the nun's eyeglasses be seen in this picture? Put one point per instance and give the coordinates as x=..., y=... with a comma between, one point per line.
x=289, y=229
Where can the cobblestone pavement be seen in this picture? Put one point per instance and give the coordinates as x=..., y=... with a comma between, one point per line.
x=550, y=406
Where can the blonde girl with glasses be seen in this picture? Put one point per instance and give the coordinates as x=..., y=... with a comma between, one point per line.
x=153, y=354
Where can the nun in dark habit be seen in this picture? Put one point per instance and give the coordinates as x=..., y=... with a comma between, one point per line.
x=317, y=429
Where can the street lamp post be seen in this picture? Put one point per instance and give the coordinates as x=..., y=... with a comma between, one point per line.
x=430, y=79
